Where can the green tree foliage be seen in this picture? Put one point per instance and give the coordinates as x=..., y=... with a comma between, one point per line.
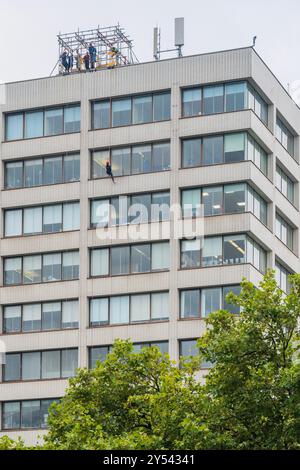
x=249, y=400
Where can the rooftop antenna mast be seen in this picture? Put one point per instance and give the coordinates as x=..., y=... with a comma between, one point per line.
x=254, y=41
x=179, y=40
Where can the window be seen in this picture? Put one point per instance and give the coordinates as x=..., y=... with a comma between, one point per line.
x=34, y=126
x=51, y=364
x=212, y=150
x=14, y=127
x=161, y=157
x=141, y=159
x=100, y=262
x=234, y=148
x=52, y=219
x=54, y=121
x=32, y=272
x=235, y=249
x=190, y=304
x=120, y=260
x=191, y=203
x=71, y=216
x=285, y=136
x=213, y=99
x=257, y=205
x=212, y=251
x=69, y=362
x=160, y=210
x=140, y=209
x=160, y=256
x=188, y=348
x=71, y=119
x=101, y=115
x=129, y=309
x=163, y=346
x=212, y=199
x=12, y=271
x=52, y=267
x=234, y=198
x=43, y=122
x=51, y=316
x=33, y=173
x=121, y=161
x=190, y=253
x=70, y=314
x=98, y=354
x=71, y=168
x=140, y=258
x=142, y=109
x=192, y=102
x=121, y=112
x=33, y=220
x=32, y=318
x=211, y=301
x=256, y=255
x=191, y=153
x=99, y=159
x=119, y=309
x=232, y=308
x=13, y=222
x=235, y=96
x=282, y=277
x=53, y=170
x=26, y=414
x=258, y=105
x=13, y=175
x=285, y=184
x=284, y=231
x=70, y=267
x=31, y=366
x=162, y=106
x=12, y=319
x=12, y=367
x=256, y=154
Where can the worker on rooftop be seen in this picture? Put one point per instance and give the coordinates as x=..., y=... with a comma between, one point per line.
x=86, y=59
x=93, y=55
x=65, y=61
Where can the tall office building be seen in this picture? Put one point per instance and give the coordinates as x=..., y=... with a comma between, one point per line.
x=214, y=129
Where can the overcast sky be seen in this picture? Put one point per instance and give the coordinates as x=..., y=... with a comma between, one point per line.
x=28, y=29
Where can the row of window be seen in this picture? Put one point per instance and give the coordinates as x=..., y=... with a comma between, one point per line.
x=29, y=414
x=281, y=275
x=285, y=137
x=227, y=199
x=42, y=122
x=40, y=365
x=226, y=250
x=285, y=185
x=284, y=231
x=44, y=316
x=49, y=267
x=130, y=259
x=229, y=97
x=42, y=219
x=121, y=309
x=42, y=171
x=139, y=109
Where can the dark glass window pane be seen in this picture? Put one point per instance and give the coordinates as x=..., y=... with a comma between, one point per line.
x=120, y=260
x=32, y=272
x=142, y=109
x=12, y=367
x=54, y=121
x=34, y=125
x=191, y=150
x=52, y=218
x=212, y=150
x=121, y=112
x=140, y=259
x=212, y=251
x=161, y=157
x=163, y=346
x=97, y=354
x=72, y=119
x=12, y=319
x=140, y=209
x=235, y=96
x=213, y=97
x=99, y=160
x=234, y=198
x=72, y=168
x=234, y=249
x=12, y=271
x=51, y=316
x=70, y=265
x=188, y=348
x=69, y=362
x=162, y=107
x=101, y=115
x=11, y=415
x=53, y=170
x=141, y=159
x=52, y=267
x=31, y=366
x=51, y=365
x=160, y=209
x=212, y=199
x=99, y=311
x=120, y=161
x=190, y=304
x=70, y=314
x=231, y=307
x=33, y=173
x=14, y=127
x=32, y=317
x=119, y=210
x=45, y=405
x=14, y=175
x=192, y=101
x=30, y=415
x=211, y=301
x=234, y=148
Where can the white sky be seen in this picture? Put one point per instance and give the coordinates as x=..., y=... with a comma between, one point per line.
x=28, y=29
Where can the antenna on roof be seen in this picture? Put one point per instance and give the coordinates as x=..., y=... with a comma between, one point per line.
x=254, y=41
x=179, y=40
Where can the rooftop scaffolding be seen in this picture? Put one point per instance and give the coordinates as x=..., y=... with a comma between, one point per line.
x=113, y=48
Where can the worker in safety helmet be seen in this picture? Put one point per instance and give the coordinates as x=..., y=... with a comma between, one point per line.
x=109, y=171
x=93, y=55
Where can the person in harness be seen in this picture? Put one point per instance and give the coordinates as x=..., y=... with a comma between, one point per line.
x=109, y=171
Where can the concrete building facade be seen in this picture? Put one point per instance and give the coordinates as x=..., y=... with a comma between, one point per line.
x=216, y=129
